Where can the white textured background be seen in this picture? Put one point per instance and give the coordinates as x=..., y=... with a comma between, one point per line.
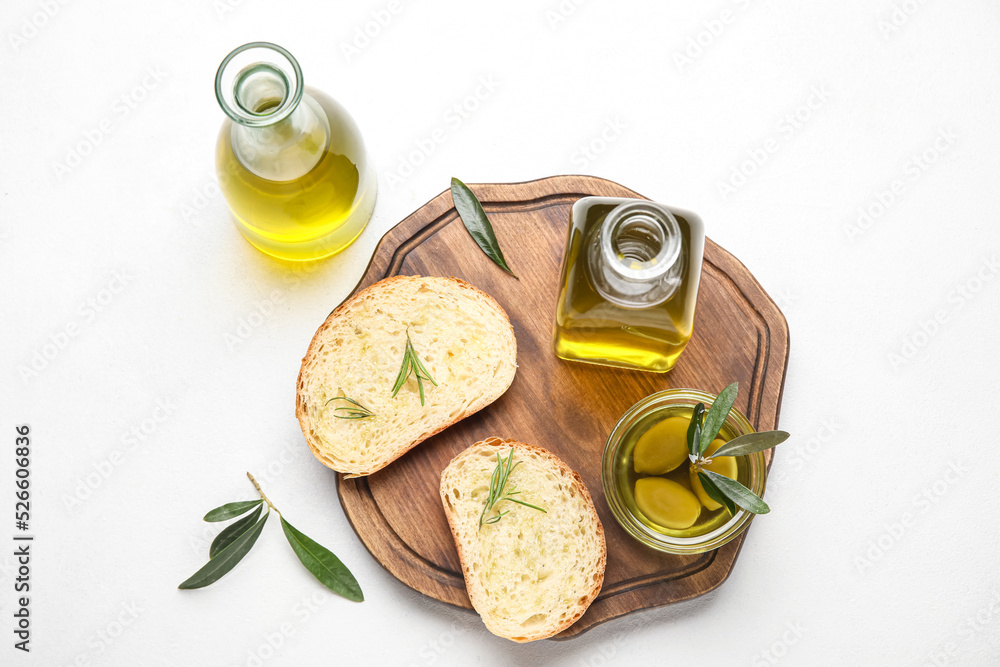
x=891, y=392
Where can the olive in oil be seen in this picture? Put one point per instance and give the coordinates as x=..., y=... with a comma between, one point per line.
x=290, y=160
x=629, y=283
x=626, y=476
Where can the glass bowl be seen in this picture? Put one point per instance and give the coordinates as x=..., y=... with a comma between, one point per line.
x=736, y=424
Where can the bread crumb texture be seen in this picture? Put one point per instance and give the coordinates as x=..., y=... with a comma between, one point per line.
x=531, y=574
x=461, y=335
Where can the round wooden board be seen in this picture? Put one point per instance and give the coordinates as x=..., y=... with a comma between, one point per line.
x=568, y=408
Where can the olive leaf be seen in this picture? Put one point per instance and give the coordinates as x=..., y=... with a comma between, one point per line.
x=750, y=443
x=694, y=429
x=736, y=492
x=235, y=541
x=714, y=493
x=716, y=415
x=323, y=564
x=703, y=429
x=231, y=510
x=475, y=220
x=232, y=531
x=226, y=559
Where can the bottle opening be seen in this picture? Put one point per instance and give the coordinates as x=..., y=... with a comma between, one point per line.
x=260, y=89
x=641, y=241
x=637, y=240
x=259, y=84
x=635, y=259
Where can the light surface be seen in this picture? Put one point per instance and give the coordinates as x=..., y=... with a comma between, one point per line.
x=883, y=543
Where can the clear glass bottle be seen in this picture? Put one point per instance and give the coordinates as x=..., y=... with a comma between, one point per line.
x=629, y=283
x=290, y=160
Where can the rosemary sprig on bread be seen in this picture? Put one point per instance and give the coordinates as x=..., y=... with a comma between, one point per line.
x=352, y=411
x=412, y=364
x=498, y=484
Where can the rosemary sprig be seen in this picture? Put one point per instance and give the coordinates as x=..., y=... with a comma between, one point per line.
x=498, y=482
x=412, y=364
x=353, y=411
x=705, y=426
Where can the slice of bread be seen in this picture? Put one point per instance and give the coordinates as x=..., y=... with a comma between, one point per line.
x=531, y=574
x=460, y=334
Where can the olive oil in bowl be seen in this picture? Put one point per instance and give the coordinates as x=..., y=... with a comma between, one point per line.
x=648, y=480
x=664, y=519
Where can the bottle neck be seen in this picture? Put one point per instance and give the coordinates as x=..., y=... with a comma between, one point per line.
x=278, y=132
x=259, y=84
x=636, y=257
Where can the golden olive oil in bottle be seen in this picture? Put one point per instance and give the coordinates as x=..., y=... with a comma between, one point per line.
x=629, y=283
x=290, y=160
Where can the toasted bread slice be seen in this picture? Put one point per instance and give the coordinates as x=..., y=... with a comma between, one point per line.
x=460, y=334
x=531, y=574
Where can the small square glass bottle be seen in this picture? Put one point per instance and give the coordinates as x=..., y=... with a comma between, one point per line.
x=629, y=283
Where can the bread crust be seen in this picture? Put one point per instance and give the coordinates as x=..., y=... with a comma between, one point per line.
x=498, y=444
x=301, y=412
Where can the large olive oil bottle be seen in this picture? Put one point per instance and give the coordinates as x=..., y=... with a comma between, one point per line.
x=629, y=284
x=290, y=160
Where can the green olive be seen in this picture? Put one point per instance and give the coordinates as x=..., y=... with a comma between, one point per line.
x=724, y=465
x=666, y=503
x=662, y=447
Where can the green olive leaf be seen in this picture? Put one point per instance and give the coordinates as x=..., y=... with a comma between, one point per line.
x=231, y=510
x=323, y=564
x=232, y=531
x=738, y=493
x=714, y=493
x=475, y=220
x=226, y=559
x=750, y=443
x=716, y=415
x=694, y=429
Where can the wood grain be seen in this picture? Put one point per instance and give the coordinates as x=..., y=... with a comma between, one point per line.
x=568, y=408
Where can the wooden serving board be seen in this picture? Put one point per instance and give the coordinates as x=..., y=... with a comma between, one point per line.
x=566, y=407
